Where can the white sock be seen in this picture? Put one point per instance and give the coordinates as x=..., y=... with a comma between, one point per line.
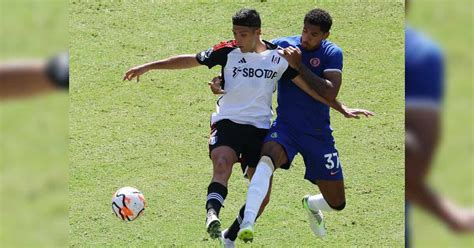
x=316, y=202
x=258, y=189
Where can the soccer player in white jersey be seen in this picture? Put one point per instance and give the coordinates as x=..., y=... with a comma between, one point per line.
x=250, y=69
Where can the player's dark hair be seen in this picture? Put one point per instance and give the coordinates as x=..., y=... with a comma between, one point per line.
x=247, y=18
x=319, y=17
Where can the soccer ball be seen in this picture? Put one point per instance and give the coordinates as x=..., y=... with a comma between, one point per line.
x=128, y=203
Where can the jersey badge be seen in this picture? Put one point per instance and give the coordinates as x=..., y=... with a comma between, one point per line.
x=314, y=62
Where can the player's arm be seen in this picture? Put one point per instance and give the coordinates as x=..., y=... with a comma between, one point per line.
x=335, y=104
x=301, y=83
x=176, y=62
x=422, y=129
x=327, y=87
x=24, y=78
x=216, y=55
x=422, y=132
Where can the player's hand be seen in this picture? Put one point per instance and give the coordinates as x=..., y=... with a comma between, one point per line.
x=356, y=113
x=216, y=85
x=293, y=56
x=135, y=72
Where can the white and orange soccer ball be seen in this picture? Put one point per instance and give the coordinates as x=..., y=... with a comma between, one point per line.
x=128, y=203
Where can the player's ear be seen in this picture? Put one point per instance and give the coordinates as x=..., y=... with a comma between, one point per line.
x=258, y=31
x=326, y=35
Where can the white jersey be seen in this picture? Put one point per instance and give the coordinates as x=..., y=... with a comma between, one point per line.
x=249, y=80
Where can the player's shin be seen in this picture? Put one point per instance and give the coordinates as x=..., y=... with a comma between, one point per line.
x=234, y=228
x=216, y=194
x=258, y=189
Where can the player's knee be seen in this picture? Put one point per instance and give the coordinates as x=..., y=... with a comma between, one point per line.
x=339, y=206
x=222, y=167
x=275, y=151
x=336, y=202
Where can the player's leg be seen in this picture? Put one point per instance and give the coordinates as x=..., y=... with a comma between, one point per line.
x=224, y=150
x=276, y=152
x=324, y=169
x=333, y=195
x=223, y=157
x=273, y=156
x=331, y=198
x=231, y=232
x=253, y=153
x=250, y=156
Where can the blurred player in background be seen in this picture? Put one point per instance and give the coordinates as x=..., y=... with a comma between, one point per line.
x=424, y=90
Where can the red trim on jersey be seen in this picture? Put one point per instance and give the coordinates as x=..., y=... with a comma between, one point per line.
x=230, y=43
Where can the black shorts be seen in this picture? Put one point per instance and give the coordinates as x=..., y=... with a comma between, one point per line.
x=245, y=140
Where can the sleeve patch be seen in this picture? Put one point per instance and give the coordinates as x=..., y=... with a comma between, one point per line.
x=230, y=44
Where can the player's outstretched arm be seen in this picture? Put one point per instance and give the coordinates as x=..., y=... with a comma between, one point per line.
x=335, y=104
x=175, y=62
x=349, y=112
x=422, y=134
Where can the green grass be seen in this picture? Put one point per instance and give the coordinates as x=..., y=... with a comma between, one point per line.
x=32, y=28
x=153, y=135
x=34, y=172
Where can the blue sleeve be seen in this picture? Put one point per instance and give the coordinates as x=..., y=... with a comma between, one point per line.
x=429, y=84
x=424, y=70
x=280, y=42
x=275, y=41
x=333, y=59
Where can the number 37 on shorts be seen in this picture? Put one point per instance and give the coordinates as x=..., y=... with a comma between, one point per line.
x=332, y=161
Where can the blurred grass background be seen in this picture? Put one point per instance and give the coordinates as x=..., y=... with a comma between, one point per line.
x=450, y=24
x=34, y=131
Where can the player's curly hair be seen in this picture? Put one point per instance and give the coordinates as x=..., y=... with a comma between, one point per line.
x=319, y=17
x=247, y=17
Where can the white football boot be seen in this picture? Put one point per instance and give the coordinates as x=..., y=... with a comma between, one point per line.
x=316, y=219
x=226, y=243
x=213, y=225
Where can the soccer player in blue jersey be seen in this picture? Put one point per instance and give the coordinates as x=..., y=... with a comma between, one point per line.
x=424, y=84
x=303, y=126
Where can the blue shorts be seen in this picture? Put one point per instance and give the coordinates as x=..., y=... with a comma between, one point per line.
x=318, y=150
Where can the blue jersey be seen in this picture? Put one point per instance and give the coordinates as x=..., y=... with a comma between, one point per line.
x=424, y=70
x=295, y=107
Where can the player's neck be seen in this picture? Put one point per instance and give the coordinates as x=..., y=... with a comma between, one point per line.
x=261, y=46
x=316, y=47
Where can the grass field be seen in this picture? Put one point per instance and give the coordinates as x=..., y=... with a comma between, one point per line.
x=153, y=135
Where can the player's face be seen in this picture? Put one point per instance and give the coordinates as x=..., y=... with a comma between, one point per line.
x=246, y=37
x=311, y=36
